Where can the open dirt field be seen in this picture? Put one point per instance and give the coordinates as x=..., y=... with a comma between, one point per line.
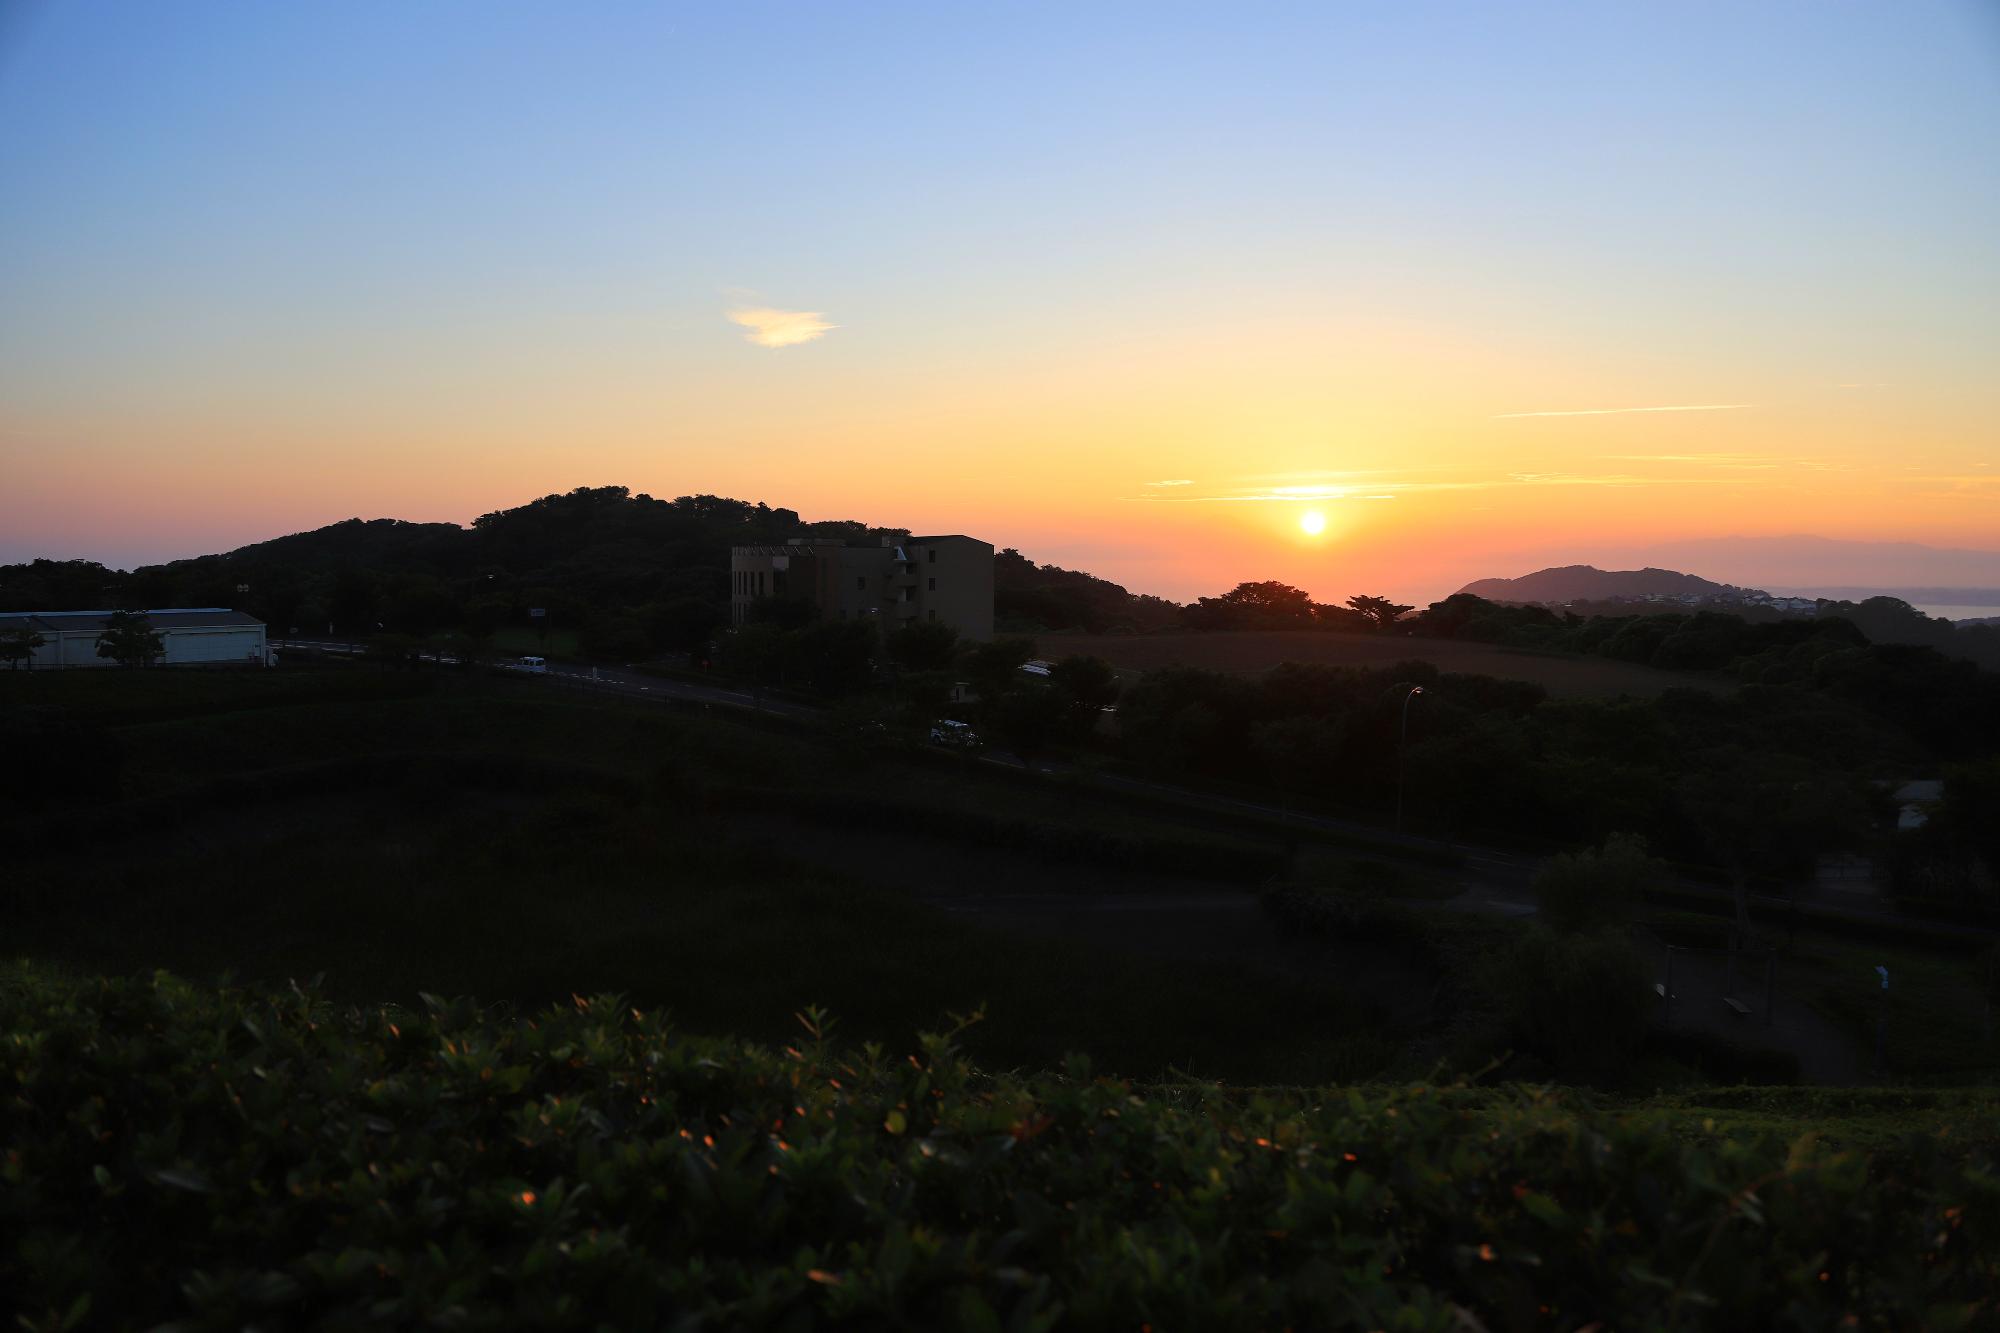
x=1253, y=652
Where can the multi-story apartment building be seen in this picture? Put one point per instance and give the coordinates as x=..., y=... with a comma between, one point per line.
x=942, y=578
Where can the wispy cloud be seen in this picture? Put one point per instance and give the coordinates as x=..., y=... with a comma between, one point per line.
x=1183, y=481
x=1619, y=411
x=1389, y=490
x=780, y=328
x=1734, y=462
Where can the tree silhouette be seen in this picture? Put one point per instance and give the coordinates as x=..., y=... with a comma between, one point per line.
x=923, y=645
x=18, y=646
x=129, y=640
x=1266, y=605
x=1088, y=686
x=1380, y=611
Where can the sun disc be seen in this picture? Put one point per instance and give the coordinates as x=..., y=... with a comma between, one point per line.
x=1312, y=522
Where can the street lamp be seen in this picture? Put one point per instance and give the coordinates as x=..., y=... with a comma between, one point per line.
x=1402, y=742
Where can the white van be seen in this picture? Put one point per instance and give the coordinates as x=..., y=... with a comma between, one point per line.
x=533, y=665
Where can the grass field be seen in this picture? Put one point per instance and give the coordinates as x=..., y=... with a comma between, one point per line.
x=1255, y=652
x=467, y=834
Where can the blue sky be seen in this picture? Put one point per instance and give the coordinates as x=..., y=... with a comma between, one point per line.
x=452, y=254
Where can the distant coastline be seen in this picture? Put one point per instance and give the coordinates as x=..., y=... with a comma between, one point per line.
x=1956, y=613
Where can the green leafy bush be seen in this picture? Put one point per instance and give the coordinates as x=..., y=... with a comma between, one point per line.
x=1587, y=890
x=1578, y=1002
x=224, y=1159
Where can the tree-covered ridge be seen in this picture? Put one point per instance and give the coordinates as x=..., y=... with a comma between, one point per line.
x=221, y=1159
x=1028, y=597
x=1704, y=639
x=632, y=574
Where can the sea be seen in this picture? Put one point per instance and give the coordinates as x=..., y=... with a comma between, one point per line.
x=1957, y=612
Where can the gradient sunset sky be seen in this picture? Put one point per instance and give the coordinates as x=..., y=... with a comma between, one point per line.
x=1129, y=287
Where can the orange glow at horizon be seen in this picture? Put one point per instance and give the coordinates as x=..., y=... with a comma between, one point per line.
x=1175, y=464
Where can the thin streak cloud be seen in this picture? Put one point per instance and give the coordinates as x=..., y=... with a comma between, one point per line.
x=1619, y=411
x=1183, y=481
x=780, y=328
x=1388, y=490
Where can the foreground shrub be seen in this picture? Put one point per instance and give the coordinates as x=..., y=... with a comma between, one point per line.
x=224, y=1159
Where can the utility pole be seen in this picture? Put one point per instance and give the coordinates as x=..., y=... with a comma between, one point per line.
x=1882, y=1023
x=1402, y=743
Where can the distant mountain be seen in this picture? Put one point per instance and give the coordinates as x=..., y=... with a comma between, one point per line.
x=1586, y=583
x=1792, y=564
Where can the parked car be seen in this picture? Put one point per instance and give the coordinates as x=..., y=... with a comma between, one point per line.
x=532, y=665
x=956, y=735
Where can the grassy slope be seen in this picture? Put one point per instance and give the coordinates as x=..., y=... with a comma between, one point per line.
x=485, y=837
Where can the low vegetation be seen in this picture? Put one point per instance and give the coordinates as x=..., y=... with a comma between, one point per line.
x=221, y=1159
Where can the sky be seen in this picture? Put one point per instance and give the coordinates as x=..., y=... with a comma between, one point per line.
x=1131, y=288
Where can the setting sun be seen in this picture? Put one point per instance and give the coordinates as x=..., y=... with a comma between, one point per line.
x=1312, y=523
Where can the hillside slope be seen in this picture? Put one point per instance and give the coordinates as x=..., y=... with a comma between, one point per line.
x=1572, y=583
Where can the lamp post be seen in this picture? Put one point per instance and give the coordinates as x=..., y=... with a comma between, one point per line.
x=1401, y=743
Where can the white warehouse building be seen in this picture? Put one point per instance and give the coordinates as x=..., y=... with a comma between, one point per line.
x=192, y=636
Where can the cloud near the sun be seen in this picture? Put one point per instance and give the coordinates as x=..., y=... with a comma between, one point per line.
x=780, y=328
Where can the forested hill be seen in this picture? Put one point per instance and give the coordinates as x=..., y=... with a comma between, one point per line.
x=1576, y=583
x=633, y=572
x=1028, y=597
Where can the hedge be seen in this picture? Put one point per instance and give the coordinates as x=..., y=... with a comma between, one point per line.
x=220, y=1159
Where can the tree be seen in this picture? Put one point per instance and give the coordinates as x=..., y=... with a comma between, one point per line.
x=991, y=666
x=1588, y=890
x=1088, y=686
x=686, y=624
x=618, y=637
x=129, y=640
x=1266, y=605
x=1301, y=752
x=1578, y=1002
x=835, y=656
x=1025, y=719
x=1379, y=611
x=923, y=645
x=783, y=612
x=18, y=646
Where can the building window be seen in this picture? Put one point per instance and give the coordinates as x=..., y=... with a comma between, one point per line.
x=861, y=583
x=933, y=587
x=931, y=615
x=930, y=555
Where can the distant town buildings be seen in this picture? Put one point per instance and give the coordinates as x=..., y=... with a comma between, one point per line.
x=945, y=579
x=191, y=636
